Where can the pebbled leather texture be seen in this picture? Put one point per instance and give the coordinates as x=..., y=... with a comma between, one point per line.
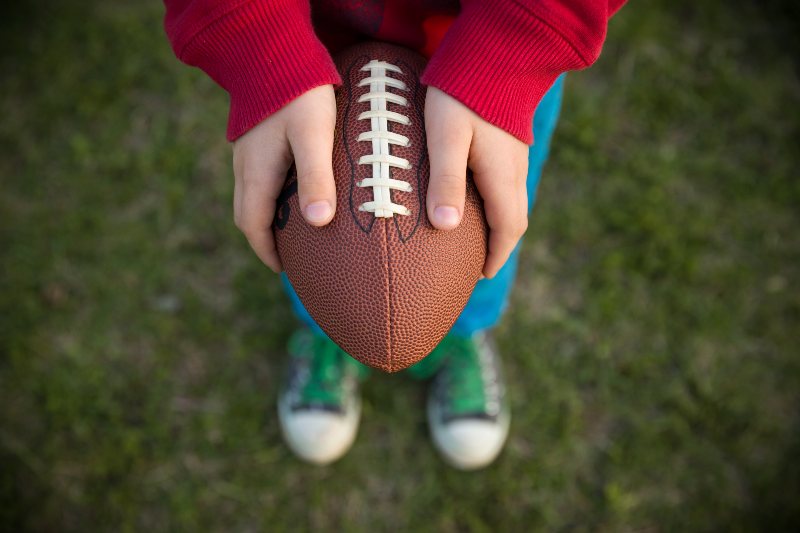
x=386, y=290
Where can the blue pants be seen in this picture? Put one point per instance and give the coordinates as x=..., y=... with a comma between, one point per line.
x=490, y=298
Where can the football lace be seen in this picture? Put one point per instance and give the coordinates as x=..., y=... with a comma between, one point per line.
x=381, y=159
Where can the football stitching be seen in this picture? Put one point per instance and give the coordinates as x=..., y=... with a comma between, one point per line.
x=381, y=158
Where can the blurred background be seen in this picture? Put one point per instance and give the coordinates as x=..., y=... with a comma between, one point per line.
x=652, y=344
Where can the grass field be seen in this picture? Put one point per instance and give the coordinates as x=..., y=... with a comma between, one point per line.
x=652, y=344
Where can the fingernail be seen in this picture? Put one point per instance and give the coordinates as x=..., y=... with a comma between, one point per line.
x=318, y=211
x=446, y=216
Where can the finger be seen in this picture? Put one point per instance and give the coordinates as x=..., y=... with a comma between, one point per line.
x=502, y=242
x=505, y=204
x=261, y=154
x=311, y=140
x=503, y=238
x=448, y=149
x=256, y=211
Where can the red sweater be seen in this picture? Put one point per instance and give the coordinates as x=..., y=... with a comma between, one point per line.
x=498, y=57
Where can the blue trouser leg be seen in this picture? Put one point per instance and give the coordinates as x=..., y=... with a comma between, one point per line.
x=490, y=298
x=297, y=306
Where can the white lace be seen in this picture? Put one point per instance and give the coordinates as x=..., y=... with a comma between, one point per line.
x=381, y=159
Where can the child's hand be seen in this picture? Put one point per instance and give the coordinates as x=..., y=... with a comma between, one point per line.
x=458, y=138
x=301, y=131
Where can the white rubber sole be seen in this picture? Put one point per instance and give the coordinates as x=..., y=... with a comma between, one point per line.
x=468, y=444
x=319, y=437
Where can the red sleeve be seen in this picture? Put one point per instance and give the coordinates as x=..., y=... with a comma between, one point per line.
x=500, y=57
x=263, y=52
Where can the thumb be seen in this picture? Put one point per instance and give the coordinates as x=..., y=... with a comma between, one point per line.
x=448, y=150
x=311, y=140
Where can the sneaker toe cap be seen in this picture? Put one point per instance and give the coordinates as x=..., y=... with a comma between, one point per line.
x=471, y=444
x=317, y=436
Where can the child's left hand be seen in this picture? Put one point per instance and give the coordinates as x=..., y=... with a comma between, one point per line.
x=458, y=138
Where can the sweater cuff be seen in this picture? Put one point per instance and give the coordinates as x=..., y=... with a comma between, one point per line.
x=264, y=54
x=499, y=60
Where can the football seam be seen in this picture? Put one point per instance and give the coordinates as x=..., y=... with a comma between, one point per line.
x=388, y=278
x=423, y=153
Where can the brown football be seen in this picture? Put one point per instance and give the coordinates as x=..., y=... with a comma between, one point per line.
x=380, y=280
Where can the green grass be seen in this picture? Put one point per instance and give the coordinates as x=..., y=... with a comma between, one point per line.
x=652, y=344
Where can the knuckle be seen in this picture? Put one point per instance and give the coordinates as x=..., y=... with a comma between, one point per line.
x=252, y=179
x=511, y=232
x=448, y=179
x=449, y=136
x=249, y=228
x=522, y=226
x=515, y=230
x=248, y=232
x=240, y=219
x=448, y=184
x=315, y=178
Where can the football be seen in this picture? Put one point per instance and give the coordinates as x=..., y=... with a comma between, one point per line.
x=380, y=280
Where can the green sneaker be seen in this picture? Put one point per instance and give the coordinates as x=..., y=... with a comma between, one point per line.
x=319, y=406
x=468, y=412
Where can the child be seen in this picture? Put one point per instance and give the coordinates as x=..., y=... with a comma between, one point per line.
x=492, y=64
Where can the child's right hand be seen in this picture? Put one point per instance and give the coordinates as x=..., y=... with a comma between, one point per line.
x=301, y=131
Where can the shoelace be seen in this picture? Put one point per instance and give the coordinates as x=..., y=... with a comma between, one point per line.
x=381, y=159
x=324, y=385
x=470, y=385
